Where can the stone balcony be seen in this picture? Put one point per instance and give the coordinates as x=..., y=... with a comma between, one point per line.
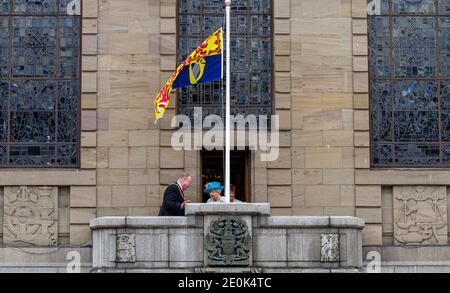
x=227, y=238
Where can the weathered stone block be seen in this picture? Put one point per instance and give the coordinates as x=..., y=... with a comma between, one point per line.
x=104, y=196
x=370, y=215
x=359, y=26
x=168, y=25
x=88, y=101
x=80, y=234
x=372, y=235
x=128, y=119
x=90, y=26
x=88, y=120
x=88, y=158
x=338, y=138
x=88, y=139
x=282, y=8
x=282, y=26
x=138, y=158
x=90, y=8
x=140, y=138
x=89, y=48
x=83, y=196
x=360, y=45
x=306, y=138
x=362, y=158
x=112, y=176
x=322, y=195
x=82, y=215
x=128, y=196
x=362, y=138
x=323, y=157
x=361, y=120
x=118, y=157
x=144, y=176
x=283, y=161
x=368, y=196
x=280, y=196
x=339, y=176
x=360, y=82
x=307, y=176
x=279, y=177
x=171, y=159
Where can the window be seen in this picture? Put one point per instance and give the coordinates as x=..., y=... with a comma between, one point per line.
x=251, y=65
x=39, y=84
x=409, y=49
x=213, y=169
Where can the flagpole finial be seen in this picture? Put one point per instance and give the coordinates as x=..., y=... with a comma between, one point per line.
x=227, y=2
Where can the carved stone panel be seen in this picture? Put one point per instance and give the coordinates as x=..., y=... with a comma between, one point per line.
x=329, y=251
x=126, y=248
x=30, y=216
x=228, y=242
x=420, y=215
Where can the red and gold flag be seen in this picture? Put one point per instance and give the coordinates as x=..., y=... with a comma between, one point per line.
x=203, y=65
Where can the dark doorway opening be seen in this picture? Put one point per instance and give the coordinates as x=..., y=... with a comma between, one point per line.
x=213, y=170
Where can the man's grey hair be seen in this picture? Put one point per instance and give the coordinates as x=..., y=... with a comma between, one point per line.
x=185, y=176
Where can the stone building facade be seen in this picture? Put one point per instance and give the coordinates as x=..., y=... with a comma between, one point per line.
x=320, y=91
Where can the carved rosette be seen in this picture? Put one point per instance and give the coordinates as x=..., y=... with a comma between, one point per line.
x=228, y=242
x=31, y=216
x=126, y=248
x=420, y=215
x=329, y=251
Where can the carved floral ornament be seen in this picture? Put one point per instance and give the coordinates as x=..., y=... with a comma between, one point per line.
x=329, y=248
x=126, y=248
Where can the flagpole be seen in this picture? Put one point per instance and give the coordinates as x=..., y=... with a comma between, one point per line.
x=227, y=104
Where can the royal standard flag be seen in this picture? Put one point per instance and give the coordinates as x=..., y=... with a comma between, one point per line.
x=203, y=65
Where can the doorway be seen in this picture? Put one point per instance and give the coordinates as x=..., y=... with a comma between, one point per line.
x=212, y=169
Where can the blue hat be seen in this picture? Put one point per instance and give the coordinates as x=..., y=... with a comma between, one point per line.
x=213, y=186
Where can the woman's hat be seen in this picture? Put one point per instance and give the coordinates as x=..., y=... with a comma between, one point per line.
x=213, y=186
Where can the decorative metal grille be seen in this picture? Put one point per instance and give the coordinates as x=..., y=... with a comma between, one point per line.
x=409, y=49
x=39, y=84
x=251, y=64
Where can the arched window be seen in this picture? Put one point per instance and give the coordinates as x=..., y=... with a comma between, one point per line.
x=409, y=49
x=251, y=65
x=39, y=84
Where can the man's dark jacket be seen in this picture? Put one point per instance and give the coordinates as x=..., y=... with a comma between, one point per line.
x=172, y=201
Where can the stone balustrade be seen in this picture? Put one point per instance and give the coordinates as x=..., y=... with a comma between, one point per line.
x=227, y=238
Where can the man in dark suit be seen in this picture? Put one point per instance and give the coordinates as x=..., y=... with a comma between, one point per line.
x=173, y=202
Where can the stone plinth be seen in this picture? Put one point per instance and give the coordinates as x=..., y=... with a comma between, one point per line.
x=221, y=237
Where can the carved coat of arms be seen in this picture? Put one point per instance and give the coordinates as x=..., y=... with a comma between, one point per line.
x=228, y=242
x=420, y=215
x=31, y=215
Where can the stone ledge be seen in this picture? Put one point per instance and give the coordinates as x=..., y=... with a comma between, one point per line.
x=138, y=222
x=41, y=257
x=232, y=209
x=315, y=222
x=273, y=222
x=402, y=177
x=54, y=177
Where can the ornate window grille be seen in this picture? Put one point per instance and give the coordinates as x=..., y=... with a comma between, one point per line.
x=409, y=53
x=251, y=65
x=39, y=84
